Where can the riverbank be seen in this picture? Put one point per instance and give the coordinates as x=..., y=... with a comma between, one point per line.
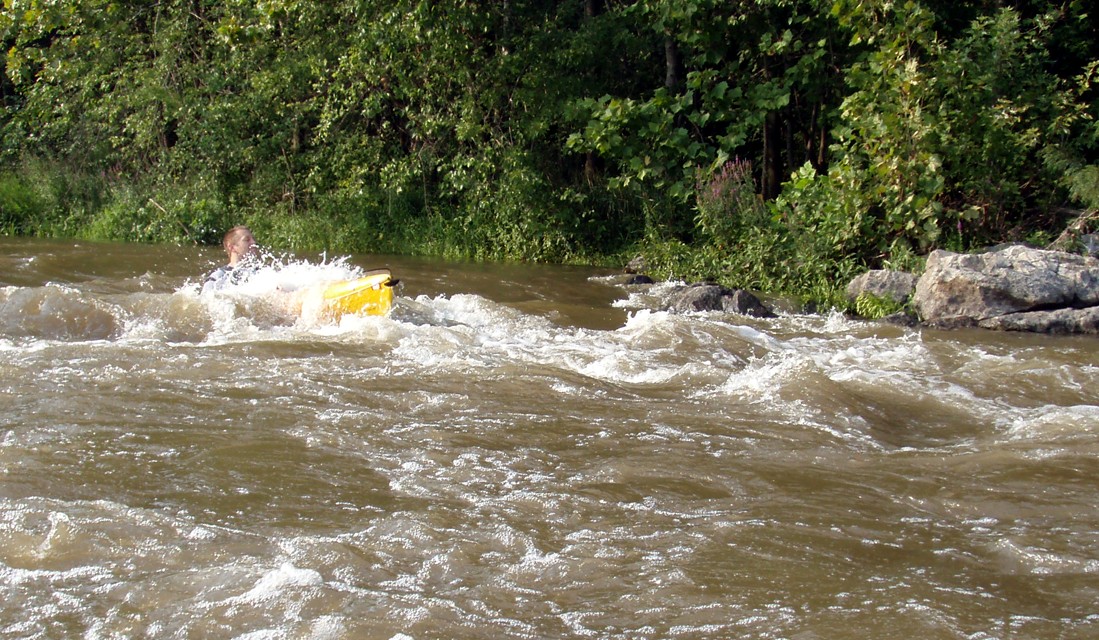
x=48, y=201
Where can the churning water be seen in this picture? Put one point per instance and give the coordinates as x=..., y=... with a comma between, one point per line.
x=523, y=452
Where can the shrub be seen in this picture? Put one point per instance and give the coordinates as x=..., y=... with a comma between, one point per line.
x=875, y=307
x=20, y=205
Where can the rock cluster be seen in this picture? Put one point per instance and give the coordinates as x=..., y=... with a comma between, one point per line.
x=1013, y=288
x=1016, y=288
x=700, y=296
x=712, y=297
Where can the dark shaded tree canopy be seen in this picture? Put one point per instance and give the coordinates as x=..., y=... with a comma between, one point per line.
x=718, y=134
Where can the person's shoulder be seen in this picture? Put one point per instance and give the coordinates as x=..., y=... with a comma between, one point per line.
x=218, y=278
x=221, y=273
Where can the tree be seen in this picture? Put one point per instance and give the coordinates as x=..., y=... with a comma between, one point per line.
x=759, y=84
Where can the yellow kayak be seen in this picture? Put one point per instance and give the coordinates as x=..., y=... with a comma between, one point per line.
x=371, y=295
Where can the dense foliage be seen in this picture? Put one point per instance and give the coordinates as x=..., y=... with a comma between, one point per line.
x=776, y=144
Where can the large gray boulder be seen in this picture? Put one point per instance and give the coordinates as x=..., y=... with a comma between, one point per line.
x=883, y=283
x=1013, y=288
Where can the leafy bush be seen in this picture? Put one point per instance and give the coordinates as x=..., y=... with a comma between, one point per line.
x=21, y=207
x=47, y=198
x=174, y=213
x=875, y=307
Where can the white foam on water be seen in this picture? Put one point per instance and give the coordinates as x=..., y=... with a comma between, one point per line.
x=1053, y=423
x=16, y=577
x=635, y=354
x=281, y=273
x=276, y=582
x=280, y=293
x=1019, y=558
x=328, y=627
x=647, y=297
x=57, y=312
x=244, y=311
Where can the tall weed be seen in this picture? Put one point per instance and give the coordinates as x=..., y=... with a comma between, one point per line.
x=728, y=203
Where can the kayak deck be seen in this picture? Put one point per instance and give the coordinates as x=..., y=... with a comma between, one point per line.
x=371, y=294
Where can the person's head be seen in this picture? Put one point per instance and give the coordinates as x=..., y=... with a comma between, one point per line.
x=238, y=243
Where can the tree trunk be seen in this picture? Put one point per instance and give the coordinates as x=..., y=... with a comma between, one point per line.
x=772, y=158
x=672, y=64
x=592, y=8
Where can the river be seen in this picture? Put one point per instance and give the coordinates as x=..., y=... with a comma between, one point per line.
x=523, y=452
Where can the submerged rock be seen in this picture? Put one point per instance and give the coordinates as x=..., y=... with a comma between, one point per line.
x=901, y=319
x=637, y=279
x=747, y=304
x=1062, y=321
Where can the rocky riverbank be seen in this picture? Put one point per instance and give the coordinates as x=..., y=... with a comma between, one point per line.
x=1007, y=288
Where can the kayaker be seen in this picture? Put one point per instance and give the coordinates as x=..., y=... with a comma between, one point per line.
x=239, y=244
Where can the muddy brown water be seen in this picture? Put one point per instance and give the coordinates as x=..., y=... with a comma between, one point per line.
x=523, y=452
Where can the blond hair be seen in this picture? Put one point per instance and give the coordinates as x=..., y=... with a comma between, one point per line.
x=231, y=235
